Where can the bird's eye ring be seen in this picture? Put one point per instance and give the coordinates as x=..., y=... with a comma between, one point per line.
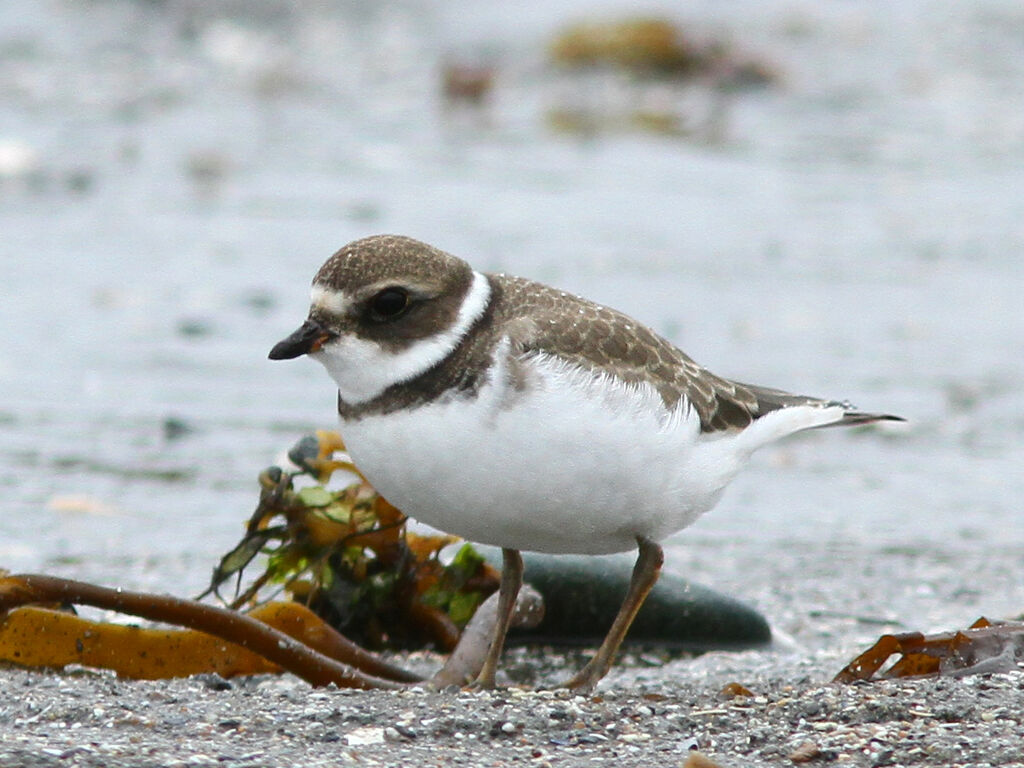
x=389, y=304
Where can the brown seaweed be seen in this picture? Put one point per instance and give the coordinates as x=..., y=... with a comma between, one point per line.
x=985, y=647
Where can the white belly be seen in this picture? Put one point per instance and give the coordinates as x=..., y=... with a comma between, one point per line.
x=570, y=465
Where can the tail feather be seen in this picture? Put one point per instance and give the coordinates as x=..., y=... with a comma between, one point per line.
x=810, y=414
x=852, y=418
x=769, y=400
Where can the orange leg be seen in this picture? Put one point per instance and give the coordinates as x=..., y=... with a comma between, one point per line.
x=645, y=574
x=511, y=581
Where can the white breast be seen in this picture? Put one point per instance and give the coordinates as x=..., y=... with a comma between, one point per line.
x=572, y=464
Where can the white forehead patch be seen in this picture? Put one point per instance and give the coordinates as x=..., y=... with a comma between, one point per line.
x=363, y=369
x=334, y=302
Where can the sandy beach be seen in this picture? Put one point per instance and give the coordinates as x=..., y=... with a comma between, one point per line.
x=172, y=174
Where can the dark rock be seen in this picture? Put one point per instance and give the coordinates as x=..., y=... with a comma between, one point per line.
x=582, y=595
x=194, y=328
x=174, y=428
x=213, y=682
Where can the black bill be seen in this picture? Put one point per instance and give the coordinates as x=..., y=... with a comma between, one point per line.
x=308, y=338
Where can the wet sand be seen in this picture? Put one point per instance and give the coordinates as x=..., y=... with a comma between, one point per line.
x=172, y=176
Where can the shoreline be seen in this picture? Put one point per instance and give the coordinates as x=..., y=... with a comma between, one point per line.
x=645, y=714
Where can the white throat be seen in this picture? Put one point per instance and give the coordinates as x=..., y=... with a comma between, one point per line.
x=363, y=369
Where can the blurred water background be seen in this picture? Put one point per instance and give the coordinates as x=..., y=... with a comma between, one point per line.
x=172, y=173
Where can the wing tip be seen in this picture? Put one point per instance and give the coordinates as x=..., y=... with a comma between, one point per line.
x=852, y=417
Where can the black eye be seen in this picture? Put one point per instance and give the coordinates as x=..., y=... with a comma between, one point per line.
x=389, y=304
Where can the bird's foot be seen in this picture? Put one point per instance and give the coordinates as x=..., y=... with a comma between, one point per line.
x=584, y=681
x=482, y=683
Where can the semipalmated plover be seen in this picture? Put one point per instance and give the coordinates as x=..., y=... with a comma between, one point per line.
x=518, y=415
